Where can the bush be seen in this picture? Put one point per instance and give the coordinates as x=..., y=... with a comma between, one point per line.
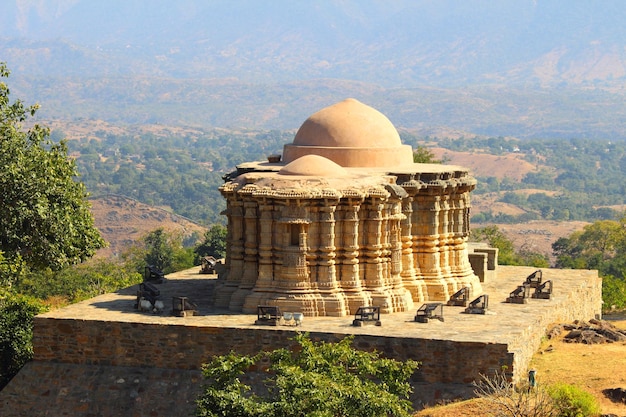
x=572, y=401
x=79, y=282
x=16, y=333
x=613, y=294
x=503, y=399
x=317, y=379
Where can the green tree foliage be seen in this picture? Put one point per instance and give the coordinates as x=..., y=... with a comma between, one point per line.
x=573, y=401
x=11, y=271
x=79, y=282
x=45, y=219
x=602, y=246
x=316, y=379
x=214, y=243
x=506, y=251
x=613, y=293
x=503, y=399
x=16, y=332
x=423, y=155
x=160, y=249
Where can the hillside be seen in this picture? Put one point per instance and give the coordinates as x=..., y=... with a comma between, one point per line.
x=123, y=221
x=533, y=190
x=526, y=69
x=404, y=43
x=559, y=361
x=483, y=164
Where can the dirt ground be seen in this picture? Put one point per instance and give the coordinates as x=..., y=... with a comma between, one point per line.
x=591, y=367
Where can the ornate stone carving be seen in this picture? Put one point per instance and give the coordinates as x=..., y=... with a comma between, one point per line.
x=326, y=237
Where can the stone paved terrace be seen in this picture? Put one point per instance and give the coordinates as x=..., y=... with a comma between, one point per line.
x=102, y=349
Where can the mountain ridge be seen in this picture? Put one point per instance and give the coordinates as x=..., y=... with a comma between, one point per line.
x=404, y=43
x=530, y=69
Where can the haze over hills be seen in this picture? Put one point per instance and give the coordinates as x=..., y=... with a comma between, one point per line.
x=523, y=68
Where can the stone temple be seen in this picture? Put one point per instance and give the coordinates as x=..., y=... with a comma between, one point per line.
x=344, y=219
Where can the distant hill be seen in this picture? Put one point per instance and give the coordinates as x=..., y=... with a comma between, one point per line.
x=401, y=43
x=123, y=221
x=551, y=68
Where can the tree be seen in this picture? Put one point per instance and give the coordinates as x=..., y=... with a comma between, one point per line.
x=214, y=243
x=16, y=332
x=315, y=379
x=506, y=251
x=160, y=249
x=495, y=238
x=45, y=218
x=599, y=245
x=423, y=155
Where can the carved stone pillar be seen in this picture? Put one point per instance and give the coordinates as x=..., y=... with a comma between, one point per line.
x=349, y=266
x=332, y=302
x=372, y=250
x=428, y=249
x=250, y=256
x=264, y=287
x=409, y=273
x=445, y=235
x=234, y=254
x=401, y=298
x=327, y=250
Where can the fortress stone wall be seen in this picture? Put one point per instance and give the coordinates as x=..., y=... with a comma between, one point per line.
x=104, y=348
x=344, y=220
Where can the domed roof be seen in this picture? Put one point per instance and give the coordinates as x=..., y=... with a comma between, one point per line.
x=352, y=135
x=348, y=124
x=313, y=165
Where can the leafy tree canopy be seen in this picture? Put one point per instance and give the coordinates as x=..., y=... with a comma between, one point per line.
x=45, y=218
x=506, y=251
x=600, y=245
x=214, y=243
x=16, y=332
x=423, y=155
x=316, y=379
x=160, y=249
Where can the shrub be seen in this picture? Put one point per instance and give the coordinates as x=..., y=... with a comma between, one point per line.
x=16, y=333
x=503, y=399
x=613, y=294
x=79, y=282
x=572, y=401
x=317, y=379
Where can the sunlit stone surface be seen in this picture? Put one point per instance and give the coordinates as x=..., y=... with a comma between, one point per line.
x=345, y=220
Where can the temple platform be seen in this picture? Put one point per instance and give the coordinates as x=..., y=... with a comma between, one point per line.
x=103, y=357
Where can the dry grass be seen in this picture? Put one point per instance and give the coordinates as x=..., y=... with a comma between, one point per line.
x=123, y=221
x=591, y=367
x=511, y=165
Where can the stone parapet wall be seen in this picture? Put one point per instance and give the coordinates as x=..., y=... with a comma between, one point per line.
x=98, y=349
x=581, y=301
x=62, y=389
x=188, y=347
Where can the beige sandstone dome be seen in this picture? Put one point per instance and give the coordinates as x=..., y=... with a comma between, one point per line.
x=313, y=165
x=350, y=134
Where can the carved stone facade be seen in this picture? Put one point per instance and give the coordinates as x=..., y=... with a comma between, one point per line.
x=345, y=220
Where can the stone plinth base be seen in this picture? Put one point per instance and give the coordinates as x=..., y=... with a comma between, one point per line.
x=89, y=355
